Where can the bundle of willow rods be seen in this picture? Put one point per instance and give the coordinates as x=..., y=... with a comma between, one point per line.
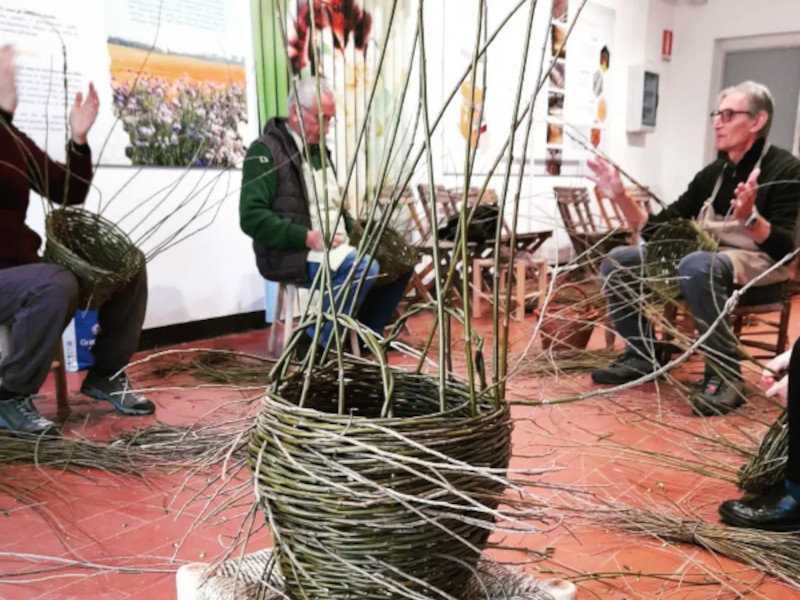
x=394, y=254
x=768, y=466
x=665, y=249
x=223, y=367
x=158, y=447
x=773, y=553
x=366, y=506
x=100, y=255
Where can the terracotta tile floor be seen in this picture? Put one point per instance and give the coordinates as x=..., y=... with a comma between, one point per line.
x=90, y=534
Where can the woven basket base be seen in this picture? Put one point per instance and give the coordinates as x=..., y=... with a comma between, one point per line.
x=491, y=581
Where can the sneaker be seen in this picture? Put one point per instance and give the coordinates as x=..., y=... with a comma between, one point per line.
x=719, y=397
x=117, y=390
x=629, y=366
x=19, y=415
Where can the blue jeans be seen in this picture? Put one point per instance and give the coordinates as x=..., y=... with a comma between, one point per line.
x=706, y=281
x=373, y=307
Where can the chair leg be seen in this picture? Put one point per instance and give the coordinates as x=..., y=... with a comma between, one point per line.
x=520, y=289
x=60, y=373
x=288, y=313
x=477, y=288
x=272, y=340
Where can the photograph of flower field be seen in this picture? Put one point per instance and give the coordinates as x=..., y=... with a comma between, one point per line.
x=178, y=110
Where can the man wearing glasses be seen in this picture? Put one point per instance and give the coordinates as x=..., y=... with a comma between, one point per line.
x=747, y=199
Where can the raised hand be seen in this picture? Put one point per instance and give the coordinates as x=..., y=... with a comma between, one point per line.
x=744, y=196
x=8, y=80
x=606, y=177
x=776, y=387
x=83, y=114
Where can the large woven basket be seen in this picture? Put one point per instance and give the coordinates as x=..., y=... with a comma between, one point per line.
x=569, y=320
x=99, y=254
x=394, y=254
x=361, y=505
x=665, y=249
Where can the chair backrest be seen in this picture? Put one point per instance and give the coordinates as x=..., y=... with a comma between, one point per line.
x=489, y=198
x=577, y=212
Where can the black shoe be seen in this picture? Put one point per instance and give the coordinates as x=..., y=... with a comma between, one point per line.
x=777, y=510
x=719, y=397
x=629, y=366
x=19, y=415
x=118, y=391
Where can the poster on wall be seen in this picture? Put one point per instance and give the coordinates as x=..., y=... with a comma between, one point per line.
x=178, y=80
x=42, y=33
x=170, y=74
x=345, y=46
x=572, y=118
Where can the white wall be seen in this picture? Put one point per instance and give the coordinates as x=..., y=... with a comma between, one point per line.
x=699, y=30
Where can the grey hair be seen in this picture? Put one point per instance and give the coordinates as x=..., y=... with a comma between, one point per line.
x=306, y=92
x=758, y=98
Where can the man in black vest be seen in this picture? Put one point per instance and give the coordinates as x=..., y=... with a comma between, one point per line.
x=291, y=206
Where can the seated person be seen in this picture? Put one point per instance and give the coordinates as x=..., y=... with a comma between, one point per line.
x=779, y=508
x=283, y=209
x=38, y=300
x=748, y=200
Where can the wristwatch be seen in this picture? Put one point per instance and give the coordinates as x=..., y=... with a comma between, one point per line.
x=752, y=220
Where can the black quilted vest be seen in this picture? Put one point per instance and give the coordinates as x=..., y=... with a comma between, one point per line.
x=291, y=202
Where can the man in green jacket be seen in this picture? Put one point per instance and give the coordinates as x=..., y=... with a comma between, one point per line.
x=291, y=206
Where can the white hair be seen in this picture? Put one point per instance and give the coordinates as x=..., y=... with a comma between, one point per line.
x=304, y=93
x=758, y=98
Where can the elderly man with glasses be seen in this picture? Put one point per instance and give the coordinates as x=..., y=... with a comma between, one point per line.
x=292, y=208
x=748, y=200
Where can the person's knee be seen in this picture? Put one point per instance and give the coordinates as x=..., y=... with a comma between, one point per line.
x=57, y=284
x=373, y=269
x=619, y=258
x=696, y=264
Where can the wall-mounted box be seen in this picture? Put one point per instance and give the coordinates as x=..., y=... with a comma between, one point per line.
x=643, y=85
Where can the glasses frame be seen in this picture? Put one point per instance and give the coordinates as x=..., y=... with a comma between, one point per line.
x=730, y=112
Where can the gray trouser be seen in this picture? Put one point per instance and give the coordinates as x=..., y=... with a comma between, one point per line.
x=706, y=281
x=38, y=301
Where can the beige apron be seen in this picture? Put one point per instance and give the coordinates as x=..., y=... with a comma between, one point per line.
x=736, y=243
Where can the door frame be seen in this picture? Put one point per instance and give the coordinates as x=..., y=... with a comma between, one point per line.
x=724, y=46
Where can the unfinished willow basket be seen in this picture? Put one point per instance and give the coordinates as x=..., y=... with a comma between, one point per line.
x=665, y=249
x=365, y=506
x=768, y=466
x=99, y=254
x=394, y=254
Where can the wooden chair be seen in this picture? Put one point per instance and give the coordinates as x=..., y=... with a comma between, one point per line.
x=57, y=367
x=764, y=311
x=286, y=302
x=594, y=225
x=526, y=244
x=446, y=209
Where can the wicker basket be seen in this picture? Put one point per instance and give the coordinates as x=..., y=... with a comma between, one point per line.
x=665, y=249
x=568, y=323
x=360, y=504
x=99, y=254
x=768, y=466
x=394, y=254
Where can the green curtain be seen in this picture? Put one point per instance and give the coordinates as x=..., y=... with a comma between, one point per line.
x=271, y=74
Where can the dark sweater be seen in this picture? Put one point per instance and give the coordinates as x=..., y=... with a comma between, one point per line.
x=25, y=168
x=777, y=203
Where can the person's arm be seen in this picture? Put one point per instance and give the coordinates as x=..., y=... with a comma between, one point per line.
x=688, y=204
x=779, y=208
x=609, y=183
x=256, y=218
x=64, y=184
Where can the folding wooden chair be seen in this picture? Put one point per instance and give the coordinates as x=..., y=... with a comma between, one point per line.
x=526, y=244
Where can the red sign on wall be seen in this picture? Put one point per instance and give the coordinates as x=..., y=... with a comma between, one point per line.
x=666, y=44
